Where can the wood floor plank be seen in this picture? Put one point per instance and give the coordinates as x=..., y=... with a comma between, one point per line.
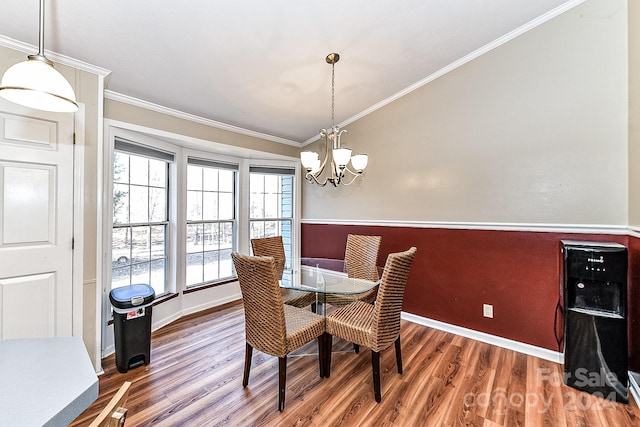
x=195, y=375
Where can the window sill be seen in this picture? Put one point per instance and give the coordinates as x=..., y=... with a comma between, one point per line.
x=165, y=297
x=208, y=285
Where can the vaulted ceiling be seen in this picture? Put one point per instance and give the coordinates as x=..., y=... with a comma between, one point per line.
x=260, y=64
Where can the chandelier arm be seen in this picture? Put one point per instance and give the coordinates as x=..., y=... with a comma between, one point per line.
x=352, y=180
x=326, y=154
x=313, y=178
x=356, y=173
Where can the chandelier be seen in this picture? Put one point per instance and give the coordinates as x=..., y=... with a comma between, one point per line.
x=336, y=157
x=36, y=84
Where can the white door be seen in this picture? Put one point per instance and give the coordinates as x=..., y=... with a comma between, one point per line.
x=36, y=222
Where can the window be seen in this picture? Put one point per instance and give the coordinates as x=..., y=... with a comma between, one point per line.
x=140, y=216
x=211, y=221
x=271, y=205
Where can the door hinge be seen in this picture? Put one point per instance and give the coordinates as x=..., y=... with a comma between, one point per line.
x=73, y=243
x=74, y=138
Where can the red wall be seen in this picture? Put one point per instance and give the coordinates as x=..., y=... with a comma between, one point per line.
x=456, y=271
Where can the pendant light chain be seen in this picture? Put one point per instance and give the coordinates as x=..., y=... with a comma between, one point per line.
x=41, y=30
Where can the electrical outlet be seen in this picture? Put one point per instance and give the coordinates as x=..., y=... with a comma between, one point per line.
x=487, y=310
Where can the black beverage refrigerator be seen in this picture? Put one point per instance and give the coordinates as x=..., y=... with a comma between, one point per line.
x=595, y=321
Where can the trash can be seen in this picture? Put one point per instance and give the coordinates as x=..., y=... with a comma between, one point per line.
x=132, y=324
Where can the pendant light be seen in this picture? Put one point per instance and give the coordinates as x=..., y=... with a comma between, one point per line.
x=36, y=84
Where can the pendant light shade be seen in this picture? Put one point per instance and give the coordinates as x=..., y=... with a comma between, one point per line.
x=36, y=84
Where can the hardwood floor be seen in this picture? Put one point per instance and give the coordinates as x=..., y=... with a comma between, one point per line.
x=195, y=376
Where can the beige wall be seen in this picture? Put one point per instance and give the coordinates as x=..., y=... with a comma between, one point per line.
x=534, y=131
x=120, y=111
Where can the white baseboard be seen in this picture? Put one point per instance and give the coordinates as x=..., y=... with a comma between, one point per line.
x=211, y=304
x=634, y=386
x=520, y=347
x=159, y=323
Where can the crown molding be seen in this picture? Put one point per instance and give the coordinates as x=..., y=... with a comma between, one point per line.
x=460, y=62
x=115, y=96
x=55, y=57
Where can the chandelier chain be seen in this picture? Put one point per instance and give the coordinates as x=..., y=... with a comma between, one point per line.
x=333, y=88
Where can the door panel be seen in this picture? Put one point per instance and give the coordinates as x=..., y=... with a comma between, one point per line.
x=29, y=215
x=18, y=297
x=36, y=223
x=29, y=131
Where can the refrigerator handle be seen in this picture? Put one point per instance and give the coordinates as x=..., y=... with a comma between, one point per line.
x=559, y=309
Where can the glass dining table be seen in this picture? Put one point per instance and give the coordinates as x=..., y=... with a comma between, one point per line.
x=324, y=276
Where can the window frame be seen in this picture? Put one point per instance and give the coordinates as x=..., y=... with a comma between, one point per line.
x=179, y=300
x=289, y=243
x=149, y=154
x=207, y=160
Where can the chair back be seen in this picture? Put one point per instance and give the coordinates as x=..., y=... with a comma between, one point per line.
x=263, y=307
x=361, y=256
x=114, y=414
x=386, y=315
x=273, y=247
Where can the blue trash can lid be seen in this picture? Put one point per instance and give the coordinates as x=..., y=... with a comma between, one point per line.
x=132, y=296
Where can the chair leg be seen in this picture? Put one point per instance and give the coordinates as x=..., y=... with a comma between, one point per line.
x=247, y=364
x=356, y=348
x=282, y=381
x=375, y=363
x=328, y=342
x=321, y=354
x=398, y=355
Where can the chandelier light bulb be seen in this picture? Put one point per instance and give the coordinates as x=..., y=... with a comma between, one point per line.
x=341, y=156
x=315, y=166
x=308, y=159
x=359, y=162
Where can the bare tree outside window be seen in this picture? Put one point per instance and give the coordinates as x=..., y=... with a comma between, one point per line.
x=140, y=220
x=211, y=220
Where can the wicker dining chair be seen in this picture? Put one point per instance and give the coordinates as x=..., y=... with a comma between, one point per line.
x=273, y=247
x=375, y=326
x=272, y=327
x=114, y=414
x=360, y=262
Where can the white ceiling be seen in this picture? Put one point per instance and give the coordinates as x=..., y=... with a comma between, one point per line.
x=260, y=64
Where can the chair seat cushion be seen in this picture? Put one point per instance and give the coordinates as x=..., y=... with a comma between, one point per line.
x=353, y=322
x=302, y=326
